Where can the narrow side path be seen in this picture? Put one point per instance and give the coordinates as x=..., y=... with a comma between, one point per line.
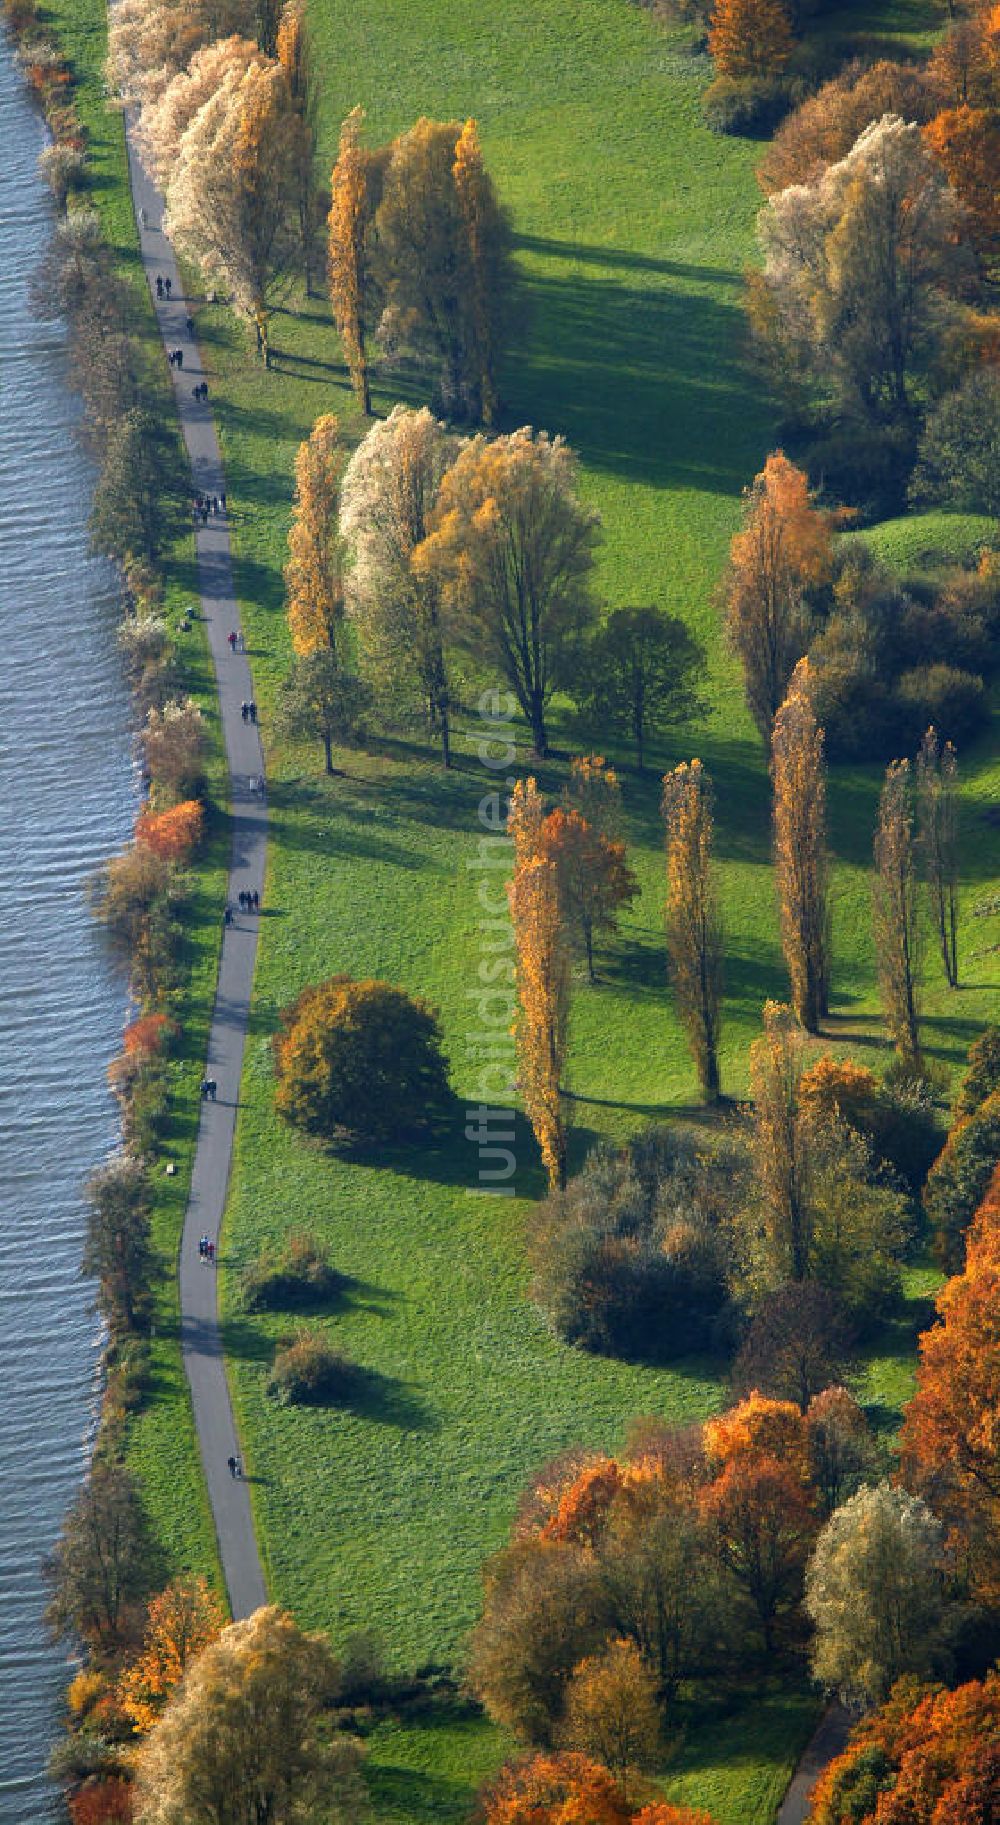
x=200, y=1338
x=828, y=1739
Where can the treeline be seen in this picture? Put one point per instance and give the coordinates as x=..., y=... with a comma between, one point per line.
x=417, y=244
x=708, y=1553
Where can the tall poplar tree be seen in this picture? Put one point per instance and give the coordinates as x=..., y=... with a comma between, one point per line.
x=542, y=1023
x=937, y=815
x=694, y=927
x=798, y=779
x=349, y=222
x=314, y=573
x=895, y=911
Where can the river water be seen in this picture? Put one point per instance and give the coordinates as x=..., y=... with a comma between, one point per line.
x=67, y=799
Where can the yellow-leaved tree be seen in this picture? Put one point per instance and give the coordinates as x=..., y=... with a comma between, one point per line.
x=314, y=573
x=799, y=782
x=180, y=1622
x=694, y=928
x=541, y=1027
x=348, y=224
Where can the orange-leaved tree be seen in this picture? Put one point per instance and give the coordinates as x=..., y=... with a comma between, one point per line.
x=799, y=781
x=351, y=211
x=561, y=1789
x=759, y=1427
x=750, y=37
x=967, y=142
x=175, y=834
x=924, y=1758
x=951, y=1430
x=314, y=573
x=694, y=926
x=785, y=546
x=764, y=1525
x=477, y=206
x=180, y=1621
x=542, y=1022
x=593, y=875
x=611, y=1709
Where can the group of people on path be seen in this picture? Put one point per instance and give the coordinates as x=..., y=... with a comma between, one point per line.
x=206, y=504
x=235, y=1463
x=248, y=711
x=249, y=900
x=237, y=644
x=175, y=357
x=209, y=1088
x=200, y=391
x=206, y=1248
x=163, y=286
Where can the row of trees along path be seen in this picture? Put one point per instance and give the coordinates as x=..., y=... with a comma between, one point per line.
x=200, y=1339
x=200, y=1336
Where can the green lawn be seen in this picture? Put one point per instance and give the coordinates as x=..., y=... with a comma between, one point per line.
x=633, y=226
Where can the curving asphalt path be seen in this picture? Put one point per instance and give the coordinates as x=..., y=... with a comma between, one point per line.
x=200, y=1339
x=827, y=1740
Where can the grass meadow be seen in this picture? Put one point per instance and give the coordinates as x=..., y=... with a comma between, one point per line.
x=633, y=226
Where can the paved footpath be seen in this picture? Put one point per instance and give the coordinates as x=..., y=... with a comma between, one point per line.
x=200, y=1339
x=827, y=1740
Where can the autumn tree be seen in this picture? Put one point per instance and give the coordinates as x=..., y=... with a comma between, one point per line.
x=246, y=1735
x=639, y=675
x=545, y=1609
x=750, y=37
x=875, y=1594
x=895, y=912
x=967, y=142
x=937, y=823
x=130, y=515
x=513, y=547
x=926, y=1758
x=827, y=124
x=982, y=1074
x=694, y=926
x=441, y=262
x=950, y=1449
x=779, y=1146
x=321, y=702
x=799, y=783
x=485, y=242
x=151, y=41
x=763, y=1527
x=231, y=196
x=783, y=549
x=960, y=1177
x=553, y=1789
x=759, y=1427
x=180, y=1621
x=173, y=744
x=349, y=225
x=118, y=1250
x=594, y=879
x=97, y=1569
x=362, y=1059
x=611, y=1710
x=542, y=1025
x=797, y=1344
x=843, y=1451
x=293, y=51
x=863, y=270
x=314, y=573
x=389, y=493
x=165, y=117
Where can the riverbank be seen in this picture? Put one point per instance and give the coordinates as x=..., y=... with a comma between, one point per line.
x=64, y=713
x=383, y=1514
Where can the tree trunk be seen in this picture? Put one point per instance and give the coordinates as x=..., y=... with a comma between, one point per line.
x=539, y=733
x=328, y=750
x=445, y=739
x=588, y=941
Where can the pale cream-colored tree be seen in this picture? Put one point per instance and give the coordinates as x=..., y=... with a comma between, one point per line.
x=388, y=495
x=165, y=118
x=231, y=198
x=151, y=41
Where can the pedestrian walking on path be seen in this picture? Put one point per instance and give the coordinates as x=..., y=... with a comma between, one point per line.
x=218, y=611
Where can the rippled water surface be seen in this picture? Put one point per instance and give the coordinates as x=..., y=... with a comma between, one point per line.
x=67, y=798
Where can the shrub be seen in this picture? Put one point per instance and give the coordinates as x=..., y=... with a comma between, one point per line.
x=296, y=1274
x=750, y=106
x=798, y=1344
x=63, y=168
x=941, y=697
x=958, y=451
x=983, y=1074
x=173, y=744
x=102, y=1803
x=309, y=1372
x=360, y=1060
x=957, y=1182
x=83, y=1692
x=898, y=1121
x=173, y=834
x=629, y=1259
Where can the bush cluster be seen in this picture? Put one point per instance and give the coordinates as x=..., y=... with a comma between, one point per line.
x=295, y=1274
x=309, y=1372
x=630, y=1259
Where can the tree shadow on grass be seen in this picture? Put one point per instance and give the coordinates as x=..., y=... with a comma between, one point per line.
x=648, y=382
x=584, y=254
x=411, y=1796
